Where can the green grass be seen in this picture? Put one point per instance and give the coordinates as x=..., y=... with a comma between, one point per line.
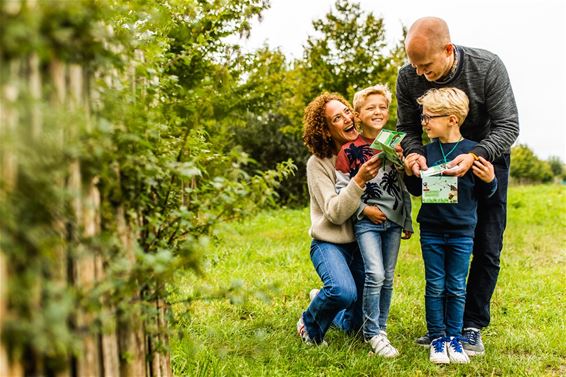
x=240, y=319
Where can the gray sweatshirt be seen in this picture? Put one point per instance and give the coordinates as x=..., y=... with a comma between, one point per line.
x=493, y=120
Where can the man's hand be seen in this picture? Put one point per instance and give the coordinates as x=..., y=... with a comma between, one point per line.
x=460, y=165
x=483, y=169
x=406, y=234
x=414, y=163
x=374, y=214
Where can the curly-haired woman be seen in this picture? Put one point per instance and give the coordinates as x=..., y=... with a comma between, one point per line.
x=328, y=124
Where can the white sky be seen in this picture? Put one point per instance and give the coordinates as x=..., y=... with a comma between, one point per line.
x=528, y=35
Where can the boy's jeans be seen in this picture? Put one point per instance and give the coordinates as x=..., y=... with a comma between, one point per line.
x=446, y=259
x=341, y=269
x=379, y=246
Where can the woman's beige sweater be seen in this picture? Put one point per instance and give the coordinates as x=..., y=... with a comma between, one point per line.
x=330, y=212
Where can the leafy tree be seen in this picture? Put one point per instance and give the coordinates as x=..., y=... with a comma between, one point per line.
x=157, y=74
x=556, y=166
x=347, y=53
x=526, y=166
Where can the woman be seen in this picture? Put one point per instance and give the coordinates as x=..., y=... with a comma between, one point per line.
x=328, y=124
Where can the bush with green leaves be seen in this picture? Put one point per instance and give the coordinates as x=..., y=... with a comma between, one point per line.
x=154, y=76
x=527, y=167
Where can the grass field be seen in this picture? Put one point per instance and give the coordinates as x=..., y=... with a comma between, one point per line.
x=240, y=316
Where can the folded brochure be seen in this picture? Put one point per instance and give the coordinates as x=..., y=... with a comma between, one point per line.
x=386, y=141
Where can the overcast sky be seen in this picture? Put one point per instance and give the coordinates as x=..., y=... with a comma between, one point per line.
x=528, y=35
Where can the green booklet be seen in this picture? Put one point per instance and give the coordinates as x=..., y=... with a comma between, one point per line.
x=438, y=188
x=386, y=141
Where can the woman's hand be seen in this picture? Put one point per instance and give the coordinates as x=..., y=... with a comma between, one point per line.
x=374, y=214
x=368, y=171
x=483, y=169
x=399, y=151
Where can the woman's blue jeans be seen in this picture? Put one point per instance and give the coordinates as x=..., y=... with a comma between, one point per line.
x=379, y=246
x=341, y=269
x=446, y=259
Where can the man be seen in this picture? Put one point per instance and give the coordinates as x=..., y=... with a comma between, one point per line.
x=492, y=121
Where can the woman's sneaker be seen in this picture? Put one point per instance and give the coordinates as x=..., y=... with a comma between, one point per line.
x=456, y=353
x=304, y=335
x=313, y=293
x=381, y=346
x=472, y=343
x=438, y=351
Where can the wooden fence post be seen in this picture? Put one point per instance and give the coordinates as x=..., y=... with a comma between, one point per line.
x=8, y=165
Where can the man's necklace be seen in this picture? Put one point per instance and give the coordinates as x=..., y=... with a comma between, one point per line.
x=454, y=68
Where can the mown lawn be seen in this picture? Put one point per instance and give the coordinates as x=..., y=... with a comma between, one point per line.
x=240, y=316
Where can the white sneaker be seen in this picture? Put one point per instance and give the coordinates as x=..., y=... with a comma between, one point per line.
x=456, y=351
x=381, y=346
x=438, y=352
x=313, y=293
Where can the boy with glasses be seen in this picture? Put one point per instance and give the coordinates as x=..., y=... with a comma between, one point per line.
x=447, y=223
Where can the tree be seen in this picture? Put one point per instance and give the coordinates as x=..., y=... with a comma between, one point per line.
x=128, y=92
x=526, y=166
x=347, y=53
x=556, y=166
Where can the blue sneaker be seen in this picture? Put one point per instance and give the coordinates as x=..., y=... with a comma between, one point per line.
x=456, y=353
x=438, y=351
x=472, y=343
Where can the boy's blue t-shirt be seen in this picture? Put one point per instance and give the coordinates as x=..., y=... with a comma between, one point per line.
x=459, y=218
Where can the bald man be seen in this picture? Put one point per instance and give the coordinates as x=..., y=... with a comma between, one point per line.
x=492, y=121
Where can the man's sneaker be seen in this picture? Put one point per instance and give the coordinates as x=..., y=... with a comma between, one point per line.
x=438, y=352
x=456, y=353
x=381, y=346
x=302, y=331
x=472, y=343
x=313, y=293
x=423, y=341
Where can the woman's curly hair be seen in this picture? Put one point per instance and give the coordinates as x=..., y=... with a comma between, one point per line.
x=316, y=134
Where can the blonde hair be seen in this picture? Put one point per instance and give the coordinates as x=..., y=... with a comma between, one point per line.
x=360, y=96
x=450, y=101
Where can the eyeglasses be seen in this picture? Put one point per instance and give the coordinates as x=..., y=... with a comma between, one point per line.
x=425, y=118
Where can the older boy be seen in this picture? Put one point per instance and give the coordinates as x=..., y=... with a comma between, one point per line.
x=384, y=213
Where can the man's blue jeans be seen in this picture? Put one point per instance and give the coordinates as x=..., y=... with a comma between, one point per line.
x=446, y=259
x=379, y=246
x=341, y=269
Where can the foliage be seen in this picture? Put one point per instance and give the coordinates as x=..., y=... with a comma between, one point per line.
x=156, y=77
x=556, y=166
x=347, y=53
x=265, y=260
x=526, y=167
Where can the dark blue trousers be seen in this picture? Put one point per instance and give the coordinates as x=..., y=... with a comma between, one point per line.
x=488, y=242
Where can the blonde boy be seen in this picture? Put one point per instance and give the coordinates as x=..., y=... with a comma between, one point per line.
x=384, y=213
x=447, y=230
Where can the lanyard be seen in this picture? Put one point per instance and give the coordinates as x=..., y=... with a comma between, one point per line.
x=450, y=151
